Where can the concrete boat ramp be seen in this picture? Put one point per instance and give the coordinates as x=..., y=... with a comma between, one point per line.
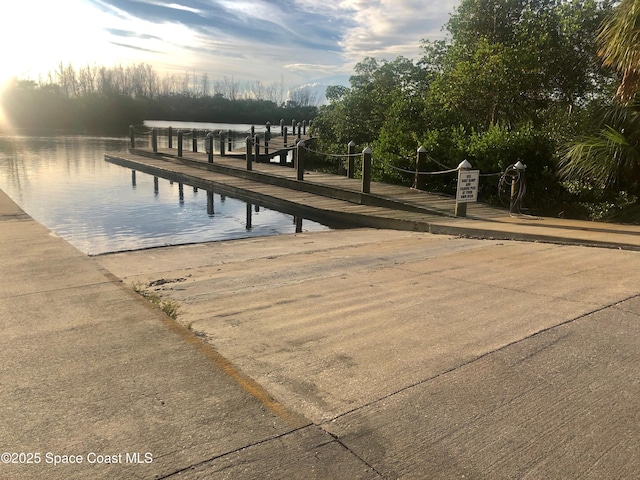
x=346, y=354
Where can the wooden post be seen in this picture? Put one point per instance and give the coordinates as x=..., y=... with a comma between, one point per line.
x=366, y=170
x=170, y=137
x=132, y=137
x=299, y=131
x=281, y=127
x=267, y=137
x=285, y=137
x=461, y=207
x=180, y=135
x=300, y=160
x=133, y=178
x=420, y=182
x=209, y=147
x=154, y=140
x=352, y=159
x=249, y=154
x=194, y=140
x=304, y=127
x=180, y=193
x=230, y=140
x=257, y=148
x=222, y=154
x=253, y=131
x=156, y=186
x=283, y=157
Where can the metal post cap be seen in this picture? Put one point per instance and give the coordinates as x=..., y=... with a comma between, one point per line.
x=464, y=165
x=520, y=165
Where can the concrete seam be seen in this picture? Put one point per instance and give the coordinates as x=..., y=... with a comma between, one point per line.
x=480, y=357
x=231, y=452
x=71, y=287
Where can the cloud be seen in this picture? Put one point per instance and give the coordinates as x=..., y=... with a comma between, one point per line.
x=262, y=39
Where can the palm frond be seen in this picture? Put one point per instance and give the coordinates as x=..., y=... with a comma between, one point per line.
x=600, y=159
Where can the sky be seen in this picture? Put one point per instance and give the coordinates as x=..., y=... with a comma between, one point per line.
x=299, y=42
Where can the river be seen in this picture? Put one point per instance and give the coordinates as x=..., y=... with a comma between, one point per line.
x=64, y=183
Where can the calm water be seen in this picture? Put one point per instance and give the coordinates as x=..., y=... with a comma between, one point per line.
x=65, y=184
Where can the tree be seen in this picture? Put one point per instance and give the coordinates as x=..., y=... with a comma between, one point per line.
x=513, y=60
x=611, y=157
x=620, y=46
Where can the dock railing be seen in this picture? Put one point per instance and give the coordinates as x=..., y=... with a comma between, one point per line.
x=255, y=142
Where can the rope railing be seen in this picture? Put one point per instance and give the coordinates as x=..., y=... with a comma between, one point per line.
x=413, y=172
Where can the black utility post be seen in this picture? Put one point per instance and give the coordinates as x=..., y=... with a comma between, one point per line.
x=366, y=170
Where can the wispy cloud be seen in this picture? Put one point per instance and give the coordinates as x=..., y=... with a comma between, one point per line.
x=305, y=40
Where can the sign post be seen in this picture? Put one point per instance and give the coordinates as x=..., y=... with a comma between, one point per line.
x=467, y=190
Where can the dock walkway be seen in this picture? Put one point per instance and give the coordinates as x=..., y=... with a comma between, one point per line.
x=338, y=202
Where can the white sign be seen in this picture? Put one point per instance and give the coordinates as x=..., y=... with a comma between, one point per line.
x=468, y=181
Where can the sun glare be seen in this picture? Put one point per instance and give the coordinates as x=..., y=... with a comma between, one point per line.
x=39, y=34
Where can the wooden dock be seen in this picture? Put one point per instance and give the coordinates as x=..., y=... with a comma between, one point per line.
x=331, y=199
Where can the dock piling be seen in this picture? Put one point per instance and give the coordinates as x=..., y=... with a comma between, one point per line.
x=299, y=160
x=249, y=154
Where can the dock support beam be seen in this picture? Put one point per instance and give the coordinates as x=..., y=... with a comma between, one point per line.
x=170, y=137
x=132, y=137
x=257, y=148
x=180, y=135
x=194, y=140
x=249, y=154
x=209, y=147
x=154, y=140
x=222, y=154
x=300, y=160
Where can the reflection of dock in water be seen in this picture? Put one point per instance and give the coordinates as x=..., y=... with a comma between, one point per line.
x=253, y=205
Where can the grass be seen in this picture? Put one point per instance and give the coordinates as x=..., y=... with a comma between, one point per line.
x=170, y=307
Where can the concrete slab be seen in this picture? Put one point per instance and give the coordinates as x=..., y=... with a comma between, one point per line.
x=560, y=404
x=308, y=453
x=345, y=354
x=329, y=330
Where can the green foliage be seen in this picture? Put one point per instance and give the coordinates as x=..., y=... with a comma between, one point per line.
x=514, y=81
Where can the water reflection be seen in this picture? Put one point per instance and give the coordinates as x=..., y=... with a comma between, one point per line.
x=65, y=184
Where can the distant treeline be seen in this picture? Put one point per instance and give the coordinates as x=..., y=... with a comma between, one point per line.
x=102, y=100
